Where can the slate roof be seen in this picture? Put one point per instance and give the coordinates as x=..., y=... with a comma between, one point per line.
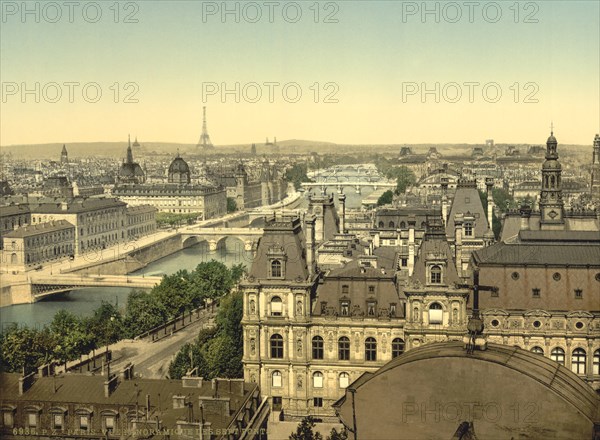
x=8, y=210
x=40, y=228
x=467, y=200
x=435, y=243
x=75, y=206
x=286, y=234
x=551, y=254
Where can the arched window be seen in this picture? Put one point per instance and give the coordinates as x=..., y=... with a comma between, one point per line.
x=435, y=313
x=317, y=379
x=277, y=346
x=435, y=275
x=558, y=355
x=317, y=347
x=276, y=306
x=596, y=363
x=537, y=350
x=391, y=224
x=402, y=225
x=578, y=360
x=276, y=269
x=370, y=349
x=381, y=224
x=344, y=380
x=397, y=347
x=276, y=378
x=344, y=349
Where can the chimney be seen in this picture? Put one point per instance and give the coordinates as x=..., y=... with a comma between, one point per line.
x=342, y=199
x=310, y=244
x=489, y=184
x=147, y=406
x=525, y=211
x=411, y=245
x=444, y=199
x=64, y=206
x=458, y=225
x=110, y=385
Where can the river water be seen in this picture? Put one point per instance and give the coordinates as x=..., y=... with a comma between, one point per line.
x=83, y=302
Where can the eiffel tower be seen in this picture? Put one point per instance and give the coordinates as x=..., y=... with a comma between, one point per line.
x=204, y=141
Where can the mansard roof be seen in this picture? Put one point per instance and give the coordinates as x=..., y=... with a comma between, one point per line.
x=467, y=200
x=287, y=234
x=435, y=246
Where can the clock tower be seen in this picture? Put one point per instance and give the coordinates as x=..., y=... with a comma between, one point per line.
x=551, y=202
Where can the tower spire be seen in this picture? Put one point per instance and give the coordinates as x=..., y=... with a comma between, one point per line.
x=204, y=141
x=129, y=153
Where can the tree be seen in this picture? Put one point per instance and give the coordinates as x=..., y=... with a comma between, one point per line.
x=297, y=174
x=231, y=205
x=386, y=198
x=335, y=435
x=106, y=324
x=26, y=348
x=212, y=279
x=304, y=431
x=144, y=312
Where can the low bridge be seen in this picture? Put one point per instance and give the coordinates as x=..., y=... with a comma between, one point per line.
x=215, y=237
x=340, y=185
x=44, y=285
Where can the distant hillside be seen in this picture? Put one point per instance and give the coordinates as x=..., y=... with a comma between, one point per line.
x=117, y=149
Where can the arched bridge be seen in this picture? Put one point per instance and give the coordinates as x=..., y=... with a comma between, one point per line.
x=215, y=237
x=43, y=286
x=340, y=185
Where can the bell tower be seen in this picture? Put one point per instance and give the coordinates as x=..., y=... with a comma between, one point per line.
x=551, y=201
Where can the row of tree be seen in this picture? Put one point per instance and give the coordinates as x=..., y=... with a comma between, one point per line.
x=217, y=351
x=305, y=431
x=164, y=219
x=69, y=336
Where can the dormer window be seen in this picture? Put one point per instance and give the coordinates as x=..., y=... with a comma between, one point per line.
x=435, y=275
x=276, y=269
x=345, y=308
x=371, y=308
x=468, y=229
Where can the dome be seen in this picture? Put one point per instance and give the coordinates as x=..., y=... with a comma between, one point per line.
x=179, y=171
x=551, y=139
x=552, y=165
x=179, y=166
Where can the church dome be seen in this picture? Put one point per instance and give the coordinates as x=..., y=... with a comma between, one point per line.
x=179, y=171
x=551, y=139
x=552, y=165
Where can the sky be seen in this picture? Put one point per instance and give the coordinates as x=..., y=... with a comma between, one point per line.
x=350, y=72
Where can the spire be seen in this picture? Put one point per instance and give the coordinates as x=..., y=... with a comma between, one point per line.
x=129, y=153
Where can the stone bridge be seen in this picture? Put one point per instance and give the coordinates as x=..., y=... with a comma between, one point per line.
x=340, y=185
x=45, y=285
x=215, y=237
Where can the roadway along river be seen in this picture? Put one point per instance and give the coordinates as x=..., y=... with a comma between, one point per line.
x=82, y=302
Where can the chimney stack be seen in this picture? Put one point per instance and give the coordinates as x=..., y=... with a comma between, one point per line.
x=310, y=243
x=525, y=211
x=342, y=199
x=458, y=227
x=444, y=199
x=489, y=184
x=411, y=245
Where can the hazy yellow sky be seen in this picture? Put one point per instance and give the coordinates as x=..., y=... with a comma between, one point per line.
x=348, y=72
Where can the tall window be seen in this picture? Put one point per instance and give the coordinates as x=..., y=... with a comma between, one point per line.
x=277, y=346
x=8, y=419
x=578, y=360
x=537, y=350
x=344, y=380
x=558, y=355
x=435, y=313
x=345, y=289
x=84, y=422
x=381, y=224
x=276, y=306
x=397, y=347
x=371, y=349
x=276, y=269
x=436, y=275
x=468, y=229
x=345, y=308
x=317, y=347
x=596, y=363
x=32, y=419
x=391, y=224
x=317, y=379
x=109, y=423
x=371, y=308
x=276, y=378
x=344, y=349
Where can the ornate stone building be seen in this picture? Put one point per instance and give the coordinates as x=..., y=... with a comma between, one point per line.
x=595, y=184
x=178, y=195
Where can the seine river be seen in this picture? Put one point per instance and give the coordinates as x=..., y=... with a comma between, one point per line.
x=83, y=301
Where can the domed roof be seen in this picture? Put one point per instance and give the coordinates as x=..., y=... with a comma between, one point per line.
x=552, y=165
x=551, y=139
x=179, y=165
